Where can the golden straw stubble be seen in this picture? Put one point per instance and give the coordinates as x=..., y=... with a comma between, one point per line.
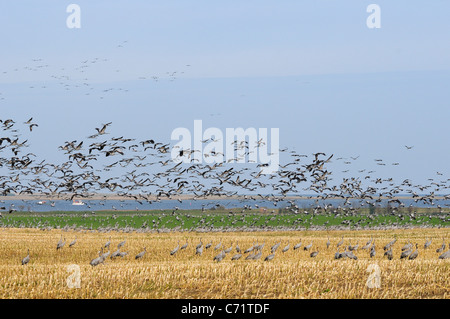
x=292, y=274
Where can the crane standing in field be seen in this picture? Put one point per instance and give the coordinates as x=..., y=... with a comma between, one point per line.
x=275, y=247
x=427, y=243
x=251, y=255
x=238, y=249
x=351, y=255
x=408, y=246
x=73, y=242
x=353, y=248
x=372, y=250
x=367, y=245
x=108, y=242
x=219, y=257
x=26, y=260
x=442, y=248
x=389, y=254
x=260, y=246
x=298, y=245
x=314, y=253
x=337, y=254
x=218, y=245
x=269, y=257
x=405, y=253
x=174, y=251
x=340, y=242
x=445, y=255
x=286, y=248
x=236, y=257
x=96, y=261
x=105, y=255
x=100, y=259
x=389, y=245
x=121, y=244
x=184, y=246
x=141, y=254
x=257, y=255
x=115, y=254
x=200, y=244
x=229, y=249
x=199, y=250
x=60, y=243
x=308, y=247
x=414, y=254
x=250, y=249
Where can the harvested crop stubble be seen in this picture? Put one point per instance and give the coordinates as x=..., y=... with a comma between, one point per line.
x=293, y=274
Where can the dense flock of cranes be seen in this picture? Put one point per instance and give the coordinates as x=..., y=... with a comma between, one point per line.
x=409, y=251
x=149, y=174
x=144, y=171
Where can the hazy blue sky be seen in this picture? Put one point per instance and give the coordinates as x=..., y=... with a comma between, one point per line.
x=311, y=68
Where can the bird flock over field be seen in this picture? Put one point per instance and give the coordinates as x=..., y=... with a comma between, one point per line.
x=144, y=171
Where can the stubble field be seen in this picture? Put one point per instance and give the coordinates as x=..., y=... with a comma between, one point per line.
x=293, y=274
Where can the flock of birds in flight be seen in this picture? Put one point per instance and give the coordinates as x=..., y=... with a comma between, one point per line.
x=81, y=78
x=142, y=170
x=78, y=177
x=149, y=174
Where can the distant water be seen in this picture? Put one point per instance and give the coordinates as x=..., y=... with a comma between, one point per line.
x=130, y=205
